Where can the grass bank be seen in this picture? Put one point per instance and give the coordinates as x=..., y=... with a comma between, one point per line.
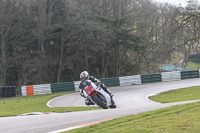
x=176, y=119
x=182, y=94
x=26, y=104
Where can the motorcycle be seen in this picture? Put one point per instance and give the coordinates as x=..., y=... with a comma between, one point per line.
x=97, y=95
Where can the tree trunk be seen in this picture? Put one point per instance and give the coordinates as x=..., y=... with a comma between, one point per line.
x=86, y=59
x=187, y=53
x=117, y=59
x=3, y=63
x=61, y=58
x=43, y=63
x=104, y=64
x=3, y=54
x=116, y=16
x=52, y=2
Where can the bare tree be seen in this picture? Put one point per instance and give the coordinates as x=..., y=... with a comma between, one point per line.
x=8, y=12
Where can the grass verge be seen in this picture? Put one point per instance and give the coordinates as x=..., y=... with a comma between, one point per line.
x=185, y=94
x=176, y=119
x=26, y=104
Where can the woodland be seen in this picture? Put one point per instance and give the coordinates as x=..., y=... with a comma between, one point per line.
x=52, y=41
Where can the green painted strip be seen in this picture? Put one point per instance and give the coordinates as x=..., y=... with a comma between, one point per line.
x=150, y=78
x=109, y=82
x=189, y=74
x=62, y=87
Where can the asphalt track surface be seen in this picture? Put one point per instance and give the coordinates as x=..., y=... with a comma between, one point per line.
x=129, y=99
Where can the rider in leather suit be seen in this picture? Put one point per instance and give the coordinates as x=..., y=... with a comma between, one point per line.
x=84, y=76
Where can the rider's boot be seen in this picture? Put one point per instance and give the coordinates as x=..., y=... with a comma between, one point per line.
x=113, y=105
x=111, y=96
x=88, y=102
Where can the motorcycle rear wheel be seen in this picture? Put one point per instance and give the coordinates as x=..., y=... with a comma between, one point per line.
x=99, y=101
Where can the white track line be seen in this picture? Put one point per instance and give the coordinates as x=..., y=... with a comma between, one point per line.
x=76, y=127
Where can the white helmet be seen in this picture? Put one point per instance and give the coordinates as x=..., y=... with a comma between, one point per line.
x=84, y=75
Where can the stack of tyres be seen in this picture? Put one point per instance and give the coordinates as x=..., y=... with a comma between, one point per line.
x=1, y=92
x=8, y=91
x=4, y=91
x=13, y=91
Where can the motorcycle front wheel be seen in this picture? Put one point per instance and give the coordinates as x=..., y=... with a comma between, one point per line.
x=100, y=100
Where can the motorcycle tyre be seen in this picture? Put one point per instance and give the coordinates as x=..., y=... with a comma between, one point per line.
x=99, y=102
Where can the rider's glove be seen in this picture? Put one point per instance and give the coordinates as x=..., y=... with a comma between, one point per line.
x=81, y=93
x=97, y=83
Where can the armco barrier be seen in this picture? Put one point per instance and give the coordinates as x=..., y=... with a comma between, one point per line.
x=36, y=89
x=199, y=72
x=109, y=82
x=62, y=87
x=130, y=80
x=42, y=89
x=29, y=90
x=171, y=76
x=76, y=85
x=150, y=78
x=189, y=74
x=23, y=91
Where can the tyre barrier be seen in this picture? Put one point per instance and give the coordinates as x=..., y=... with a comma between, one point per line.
x=7, y=91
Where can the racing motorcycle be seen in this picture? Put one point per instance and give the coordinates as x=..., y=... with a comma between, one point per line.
x=97, y=95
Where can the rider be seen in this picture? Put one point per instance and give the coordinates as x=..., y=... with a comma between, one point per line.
x=85, y=76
